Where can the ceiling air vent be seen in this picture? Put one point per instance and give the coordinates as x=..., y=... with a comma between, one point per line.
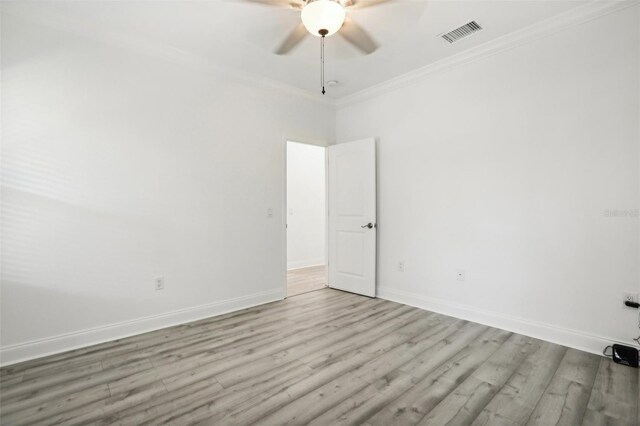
x=461, y=32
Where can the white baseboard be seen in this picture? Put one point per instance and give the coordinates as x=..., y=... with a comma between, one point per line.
x=305, y=263
x=78, y=339
x=551, y=333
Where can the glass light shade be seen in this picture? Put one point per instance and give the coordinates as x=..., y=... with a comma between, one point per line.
x=323, y=15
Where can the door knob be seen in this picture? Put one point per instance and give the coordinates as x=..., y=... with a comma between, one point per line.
x=368, y=225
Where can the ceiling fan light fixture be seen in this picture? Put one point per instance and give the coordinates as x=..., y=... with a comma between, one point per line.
x=323, y=17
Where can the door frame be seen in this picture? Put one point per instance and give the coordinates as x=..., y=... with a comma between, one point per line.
x=285, y=211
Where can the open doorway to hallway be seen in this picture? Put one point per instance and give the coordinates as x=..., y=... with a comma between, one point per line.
x=306, y=218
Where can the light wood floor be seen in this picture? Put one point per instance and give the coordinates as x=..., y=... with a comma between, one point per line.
x=322, y=358
x=304, y=280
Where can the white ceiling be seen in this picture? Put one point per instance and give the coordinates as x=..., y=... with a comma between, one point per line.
x=241, y=35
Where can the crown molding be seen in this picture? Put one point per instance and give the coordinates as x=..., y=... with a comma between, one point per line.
x=547, y=27
x=575, y=16
x=63, y=23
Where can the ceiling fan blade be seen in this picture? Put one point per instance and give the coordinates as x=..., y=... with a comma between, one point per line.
x=292, y=40
x=361, y=4
x=288, y=4
x=357, y=36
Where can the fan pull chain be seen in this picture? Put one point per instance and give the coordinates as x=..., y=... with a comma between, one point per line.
x=322, y=63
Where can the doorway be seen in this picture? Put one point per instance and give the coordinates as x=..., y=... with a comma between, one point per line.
x=306, y=216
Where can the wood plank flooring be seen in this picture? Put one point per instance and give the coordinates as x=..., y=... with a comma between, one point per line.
x=304, y=280
x=322, y=358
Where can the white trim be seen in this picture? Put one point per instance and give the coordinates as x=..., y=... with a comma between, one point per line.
x=302, y=264
x=572, y=17
x=285, y=263
x=283, y=269
x=563, y=336
x=79, y=339
x=158, y=50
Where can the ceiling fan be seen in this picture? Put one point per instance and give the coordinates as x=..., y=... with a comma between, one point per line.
x=323, y=18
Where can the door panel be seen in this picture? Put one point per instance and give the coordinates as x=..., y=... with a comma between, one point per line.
x=352, y=205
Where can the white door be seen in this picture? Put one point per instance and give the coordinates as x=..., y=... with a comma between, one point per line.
x=352, y=217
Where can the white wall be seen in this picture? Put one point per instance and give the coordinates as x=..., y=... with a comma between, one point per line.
x=505, y=167
x=119, y=167
x=306, y=211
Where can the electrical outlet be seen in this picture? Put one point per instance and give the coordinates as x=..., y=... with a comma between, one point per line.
x=400, y=266
x=159, y=283
x=629, y=297
x=269, y=213
x=461, y=274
